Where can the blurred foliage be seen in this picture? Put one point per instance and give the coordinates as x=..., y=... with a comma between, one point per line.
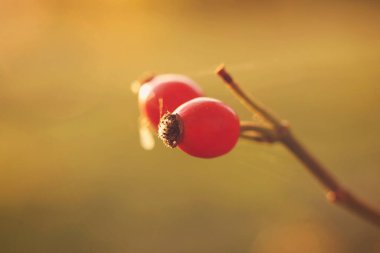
x=74, y=178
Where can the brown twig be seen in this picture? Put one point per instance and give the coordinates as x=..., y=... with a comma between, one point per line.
x=281, y=132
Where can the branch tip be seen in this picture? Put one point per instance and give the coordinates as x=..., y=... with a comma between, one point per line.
x=221, y=71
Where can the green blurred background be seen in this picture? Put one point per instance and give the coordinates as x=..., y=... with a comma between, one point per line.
x=75, y=179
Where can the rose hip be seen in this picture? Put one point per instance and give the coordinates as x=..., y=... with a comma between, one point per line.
x=164, y=93
x=202, y=127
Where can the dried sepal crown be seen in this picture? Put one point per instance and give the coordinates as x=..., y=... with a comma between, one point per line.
x=170, y=129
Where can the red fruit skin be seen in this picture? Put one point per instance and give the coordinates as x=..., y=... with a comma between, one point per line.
x=209, y=127
x=172, y=89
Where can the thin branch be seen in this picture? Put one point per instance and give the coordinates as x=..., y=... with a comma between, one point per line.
x=336, y=193
x=252, y=105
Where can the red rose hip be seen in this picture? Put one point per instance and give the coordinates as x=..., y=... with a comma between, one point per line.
x=202, y=127
x=164, y=93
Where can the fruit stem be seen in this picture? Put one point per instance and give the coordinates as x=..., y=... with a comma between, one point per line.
x=281, y=132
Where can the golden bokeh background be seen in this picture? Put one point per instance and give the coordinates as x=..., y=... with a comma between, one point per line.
x=75, y=179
